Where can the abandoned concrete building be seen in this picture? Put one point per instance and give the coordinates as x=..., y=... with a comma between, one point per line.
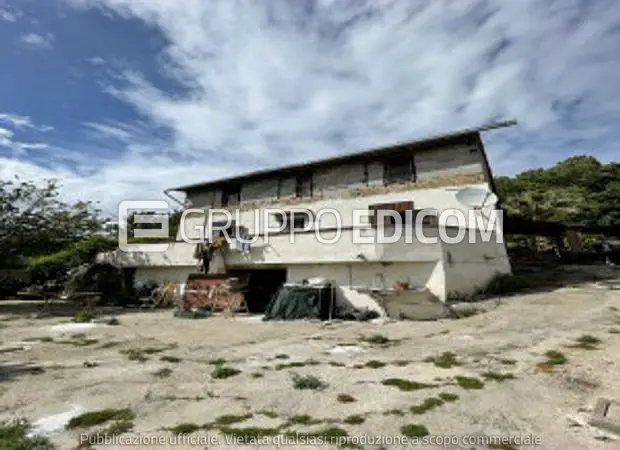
x=425, y=174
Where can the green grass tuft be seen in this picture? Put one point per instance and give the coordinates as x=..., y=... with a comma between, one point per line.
x=414, y=430
x=445, y=361
x=499, y=377
x=426, y=405
x=355, y=419
x=229, y=419
x=93, y=418
x=14, y=436
x=308, y=382
x=587, y=342
x=469, y=383
x=222, y=372
x=448, y=397
x=406, y=385
x=346, y=398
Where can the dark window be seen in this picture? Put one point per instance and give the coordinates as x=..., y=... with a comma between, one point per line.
x=231, y=195
x=398, y=169
x=401, y=208
x=303, y=185
x=295, y=221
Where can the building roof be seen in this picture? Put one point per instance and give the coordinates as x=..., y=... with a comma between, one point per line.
x=428, y=142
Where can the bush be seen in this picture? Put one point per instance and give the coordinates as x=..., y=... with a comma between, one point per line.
x=56, y=265
x=14, y=436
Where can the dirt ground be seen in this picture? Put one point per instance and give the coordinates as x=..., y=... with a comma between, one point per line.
x=120, y=366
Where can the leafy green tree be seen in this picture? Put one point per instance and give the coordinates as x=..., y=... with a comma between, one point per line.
x=33, y=221
x=577, y=190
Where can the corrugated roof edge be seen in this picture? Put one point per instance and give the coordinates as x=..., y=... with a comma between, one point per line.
x=348, y=156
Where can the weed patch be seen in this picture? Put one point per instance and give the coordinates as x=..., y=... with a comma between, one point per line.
x=282, y=356
x=163, y=373
x=496, y=376
x=378, y=339
x=374, y=364
x=469, y=383
x=336, y=364
x=222, y=372
x=257, y=375
x=110, y=344
x=308, y=382
x=355, y=419
x=14, y=436
x=445, y=361
x=217, y=362
x=508, y=362
x=448, y=397
x=184, y=428
x=294, y=364
x=229, y=419
x=304, y=419
x=79, y=340
x=426, y=405
x=93, y=418
x=614, y=331
x=117, y=428
x=394, y=412
x=345, y=398
x=170, y=359
x=414, y=430
x=134, y=354
x=554, y=358
x=587, y=342
x=406, y=385
x=84, y=316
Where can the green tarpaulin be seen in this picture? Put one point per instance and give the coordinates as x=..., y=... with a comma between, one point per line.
x=300, y=302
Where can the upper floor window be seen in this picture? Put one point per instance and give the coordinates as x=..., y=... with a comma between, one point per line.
x=399, y=211
x=399, y=169
x=296, y=221
x=303, y=185
x=231, y=195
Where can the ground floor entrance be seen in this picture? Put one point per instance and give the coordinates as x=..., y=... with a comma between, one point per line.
x=262, y=286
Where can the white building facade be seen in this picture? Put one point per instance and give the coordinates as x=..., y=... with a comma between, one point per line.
x=338, y=195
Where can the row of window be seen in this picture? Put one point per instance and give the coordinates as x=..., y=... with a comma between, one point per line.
x=397, y=169
x=301, y=221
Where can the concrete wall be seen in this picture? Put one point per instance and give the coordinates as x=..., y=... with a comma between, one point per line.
x=437, y=198
x=343, y=180
x=472, y=265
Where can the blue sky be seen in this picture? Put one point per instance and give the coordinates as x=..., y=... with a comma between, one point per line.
x=123, y=98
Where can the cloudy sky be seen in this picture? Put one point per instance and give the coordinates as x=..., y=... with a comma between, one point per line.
x=123, y=98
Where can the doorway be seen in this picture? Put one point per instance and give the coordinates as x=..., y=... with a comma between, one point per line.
x=263, y=284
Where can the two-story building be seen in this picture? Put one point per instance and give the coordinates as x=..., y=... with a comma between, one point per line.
x=413, y=176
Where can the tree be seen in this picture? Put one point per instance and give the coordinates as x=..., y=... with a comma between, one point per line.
x=34, y=222
x=577, y=190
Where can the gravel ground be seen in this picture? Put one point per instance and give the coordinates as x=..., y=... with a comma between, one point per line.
x=95, y=370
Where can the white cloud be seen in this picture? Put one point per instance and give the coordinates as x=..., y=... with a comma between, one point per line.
x=96, y=61
x=272, y=82
x=7, y=16
x=35, y=40
x=19, y=123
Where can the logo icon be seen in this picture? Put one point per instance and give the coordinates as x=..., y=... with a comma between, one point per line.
x=152, y=212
